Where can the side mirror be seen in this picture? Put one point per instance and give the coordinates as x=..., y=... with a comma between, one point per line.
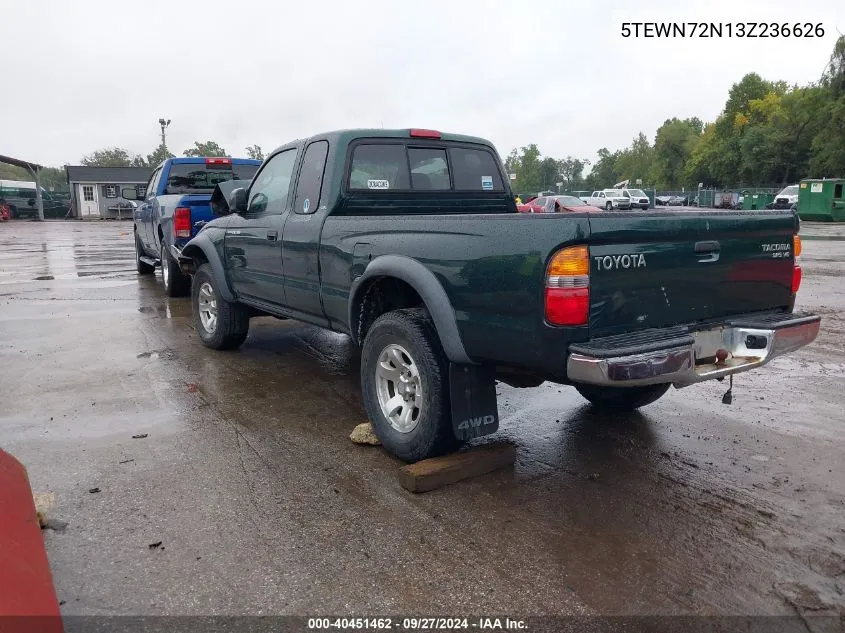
x=237, y=200
x=129, y=193
x=229, y=197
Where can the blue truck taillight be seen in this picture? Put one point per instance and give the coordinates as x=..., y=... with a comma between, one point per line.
x=182, y=222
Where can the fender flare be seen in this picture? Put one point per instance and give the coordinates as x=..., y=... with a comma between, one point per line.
x=202, y=244
x=423, y=281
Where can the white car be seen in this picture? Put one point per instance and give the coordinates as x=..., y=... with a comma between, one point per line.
x=787, y=197
x=609, y=199
x=639, y=200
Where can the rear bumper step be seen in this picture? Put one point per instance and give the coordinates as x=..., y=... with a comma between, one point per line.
x=684, y=356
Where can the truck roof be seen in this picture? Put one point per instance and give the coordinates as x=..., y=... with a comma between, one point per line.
x=344, y=137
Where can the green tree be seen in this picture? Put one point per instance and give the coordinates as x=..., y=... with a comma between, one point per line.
x=571, y=172
x=254, y=151
x=108, y=157
x=207, y=148
x=673, y=146
x=634, y=162
x=604, y=173
x=159, y=155
x=828, y=144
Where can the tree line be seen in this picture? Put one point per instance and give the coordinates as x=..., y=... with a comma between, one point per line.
x=55, y=178
x=768, y=134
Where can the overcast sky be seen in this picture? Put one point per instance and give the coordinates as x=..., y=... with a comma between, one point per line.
x=82, y=75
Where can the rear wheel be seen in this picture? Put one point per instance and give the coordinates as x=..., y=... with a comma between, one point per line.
x=622, y=398
x=405, y=385
x=220, y=324
x=175, y=283
x=609, y=206
x=143, y=267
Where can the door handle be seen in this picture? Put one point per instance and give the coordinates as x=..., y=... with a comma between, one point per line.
x=272, y=235
x=707, y=251
x=706, y=247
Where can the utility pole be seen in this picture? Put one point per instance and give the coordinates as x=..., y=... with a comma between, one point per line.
x=164, y=124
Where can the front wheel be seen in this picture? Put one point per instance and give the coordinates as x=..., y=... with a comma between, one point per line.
x=622, y=398
x=220, y=324
x=609, y=206
x=405, y=385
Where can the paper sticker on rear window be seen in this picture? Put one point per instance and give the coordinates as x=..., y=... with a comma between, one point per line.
x=487, y=183
x=378, y=184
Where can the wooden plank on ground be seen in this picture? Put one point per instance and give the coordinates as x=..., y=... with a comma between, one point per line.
x=433, y=473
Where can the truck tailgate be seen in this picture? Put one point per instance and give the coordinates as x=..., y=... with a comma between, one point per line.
x=200, y=206
x=665, y=268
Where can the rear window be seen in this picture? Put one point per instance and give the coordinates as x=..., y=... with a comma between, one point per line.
x=379, y=167
x=475, y=170
x=201, y=178
x=393, y=166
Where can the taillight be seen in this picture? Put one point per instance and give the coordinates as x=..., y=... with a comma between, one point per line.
x=218, y=161
x=796, y=269
x=420, y=133
x=568, y=287
x=182, y=222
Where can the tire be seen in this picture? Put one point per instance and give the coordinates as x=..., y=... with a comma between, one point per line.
x=622, y=398
x=407, y=342
x=142, y=267
x=609, y=206
x=175, y=283
x=231, y=320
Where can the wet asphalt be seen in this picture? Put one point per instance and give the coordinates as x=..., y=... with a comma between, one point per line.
x=244, y=473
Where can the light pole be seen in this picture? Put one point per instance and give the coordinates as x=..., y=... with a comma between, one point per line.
x=164, y=124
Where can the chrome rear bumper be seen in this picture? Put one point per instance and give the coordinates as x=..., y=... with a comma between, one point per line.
x=748, y=345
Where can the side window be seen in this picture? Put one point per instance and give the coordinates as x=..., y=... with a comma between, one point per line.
x=540, y=202
x=153, y=184
x=837, y=191
x=311, y=178
x=475, y=170
x=429, y=169
x=269, y=190
x=601, y=194
x=379, y=167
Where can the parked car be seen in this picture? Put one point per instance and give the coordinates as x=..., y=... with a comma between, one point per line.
x=445, y=294
x=638, y=197
x=661, y=201
x=787, y=198
x=559, y=204
x=678, y=201
x=173, y=208
x=608, y=199
x=20, y=197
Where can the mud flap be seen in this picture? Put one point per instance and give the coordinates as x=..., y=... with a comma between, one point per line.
x=473, y=395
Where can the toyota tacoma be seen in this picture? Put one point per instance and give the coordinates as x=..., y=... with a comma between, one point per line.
x=409, y=241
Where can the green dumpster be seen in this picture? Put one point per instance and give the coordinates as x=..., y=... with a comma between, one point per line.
x=822, y=200
x=756, y=200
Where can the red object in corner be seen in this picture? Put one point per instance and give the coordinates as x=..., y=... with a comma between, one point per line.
x=26, y=585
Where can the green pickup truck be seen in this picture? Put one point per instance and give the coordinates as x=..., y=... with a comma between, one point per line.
x=409, y=241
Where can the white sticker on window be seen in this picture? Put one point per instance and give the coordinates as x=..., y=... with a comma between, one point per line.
x=487, y=183
x=816, y=187
x=378, y=184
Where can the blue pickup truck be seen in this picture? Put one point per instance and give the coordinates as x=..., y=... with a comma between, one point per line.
x=173, y=207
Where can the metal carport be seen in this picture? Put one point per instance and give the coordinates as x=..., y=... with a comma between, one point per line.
x=34, y=169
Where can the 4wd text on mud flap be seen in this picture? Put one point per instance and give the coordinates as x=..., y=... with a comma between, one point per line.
x=474, y=423
x=615, y=262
